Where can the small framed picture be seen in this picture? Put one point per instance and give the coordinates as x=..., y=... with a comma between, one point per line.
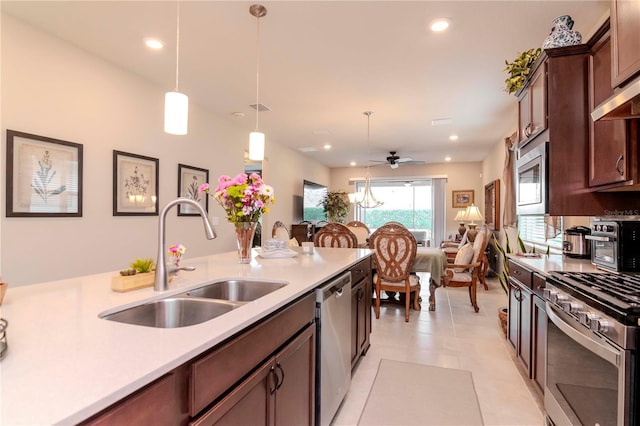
x=189, y=180
x=462, y=198
x=44, y=176
x=135, y=184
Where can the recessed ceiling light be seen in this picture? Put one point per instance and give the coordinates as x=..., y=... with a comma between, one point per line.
x=327, y=146
x=238, y=114
x=307, y=149
x=153, y=43
x=441, y=121
x=447, y=158
x=440, y=24
x=353, y=163
x=453, y=137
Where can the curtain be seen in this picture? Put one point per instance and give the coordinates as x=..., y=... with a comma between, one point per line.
x=552, y=225
x=509, y=217
x=439, y=208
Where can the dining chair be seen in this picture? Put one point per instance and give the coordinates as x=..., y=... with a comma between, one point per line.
x=394, y=251
x=361, y=231
x=280, y=231
x=467, y=268
x=335, y=235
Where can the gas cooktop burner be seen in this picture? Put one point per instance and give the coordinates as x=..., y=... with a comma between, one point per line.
x=618, y=291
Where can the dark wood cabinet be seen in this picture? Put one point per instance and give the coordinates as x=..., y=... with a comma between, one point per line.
x=281, y=391
x=527, y=329
x=608, y=154
x=625, y=37
x=361, y=293
x=532, y=106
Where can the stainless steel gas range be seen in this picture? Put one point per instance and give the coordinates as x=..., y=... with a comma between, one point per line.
x=592, y=359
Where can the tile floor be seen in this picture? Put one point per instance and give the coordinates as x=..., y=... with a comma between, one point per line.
x=453, y=336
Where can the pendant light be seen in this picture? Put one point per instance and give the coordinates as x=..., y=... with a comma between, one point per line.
x=176, y=104
x=368, y=201
x=256, y=138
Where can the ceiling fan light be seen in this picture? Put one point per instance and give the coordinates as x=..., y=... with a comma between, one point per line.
x=394, y=165
x=176, y=113
x=256, y=146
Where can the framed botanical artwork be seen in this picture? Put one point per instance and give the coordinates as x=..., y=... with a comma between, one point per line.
x=462, y=198
x=44, y=176
x=135, y=184
x=189, y=180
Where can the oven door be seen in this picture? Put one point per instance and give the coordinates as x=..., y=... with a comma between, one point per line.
x=585, y=375
x=532, y=177
x=604, y=251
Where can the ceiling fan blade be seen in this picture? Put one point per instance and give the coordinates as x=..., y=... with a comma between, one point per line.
x=403, y=160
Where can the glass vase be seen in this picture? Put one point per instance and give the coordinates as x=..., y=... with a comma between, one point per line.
x=244, y=234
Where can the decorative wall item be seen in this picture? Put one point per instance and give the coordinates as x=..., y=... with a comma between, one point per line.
x=562, y=33
x=135, y=185
x=189, y=180
x=462, y=198
x=44, y=176
x=492, y=205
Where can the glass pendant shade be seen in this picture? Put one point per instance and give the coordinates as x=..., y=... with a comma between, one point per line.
x=176, y=113
x=256, y=146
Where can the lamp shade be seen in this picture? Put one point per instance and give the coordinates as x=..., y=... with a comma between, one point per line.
x=256, y=146
x=460, y=216
x=176, y=113
x=473, y=213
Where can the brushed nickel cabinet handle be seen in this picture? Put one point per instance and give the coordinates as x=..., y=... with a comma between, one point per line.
x=620, y=172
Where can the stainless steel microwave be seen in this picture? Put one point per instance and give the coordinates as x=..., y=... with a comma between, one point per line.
x=532, y=174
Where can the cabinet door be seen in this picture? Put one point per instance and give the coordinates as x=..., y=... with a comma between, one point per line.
x=513, y=329
x=356, y=296
x=295, y=392
x=608, y=156
x=538, y=89
x=625, y=25
x=539, y=343
x=524, y=117
x=524, y=351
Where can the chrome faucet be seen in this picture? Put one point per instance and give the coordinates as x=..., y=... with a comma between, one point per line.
x=160, y=283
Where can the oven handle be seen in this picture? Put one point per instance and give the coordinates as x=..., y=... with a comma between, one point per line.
x=598, y=238
x=602, y=351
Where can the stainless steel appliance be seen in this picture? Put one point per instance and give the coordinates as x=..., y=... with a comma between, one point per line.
x=333, y=367
x=575, y=244
x=615, y=245
x=592, y=360
x=532, y=178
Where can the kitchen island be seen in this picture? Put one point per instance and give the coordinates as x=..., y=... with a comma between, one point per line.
x=66, y=364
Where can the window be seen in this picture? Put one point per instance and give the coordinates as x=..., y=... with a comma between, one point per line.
x=532, y=231
x=408, y=202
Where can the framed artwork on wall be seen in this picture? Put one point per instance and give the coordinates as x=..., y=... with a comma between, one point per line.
x=462, y=198
x=135, y=184
x=189, y=180
x=44, y=176
x=492, y=205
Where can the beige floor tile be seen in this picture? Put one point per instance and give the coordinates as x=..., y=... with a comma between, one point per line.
x=453, y=336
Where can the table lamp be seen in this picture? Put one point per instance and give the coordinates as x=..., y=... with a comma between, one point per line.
x=460, y=217
x=472, y=213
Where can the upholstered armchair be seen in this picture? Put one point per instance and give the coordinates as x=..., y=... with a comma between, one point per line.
x=280, y=231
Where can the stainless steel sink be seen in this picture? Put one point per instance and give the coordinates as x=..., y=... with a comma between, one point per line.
x=236, y=290
x=172, y=312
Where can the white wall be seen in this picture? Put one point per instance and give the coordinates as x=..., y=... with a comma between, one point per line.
x=53, y=89
x=460, y=176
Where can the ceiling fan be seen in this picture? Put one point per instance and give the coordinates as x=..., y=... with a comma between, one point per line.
x=394, y=160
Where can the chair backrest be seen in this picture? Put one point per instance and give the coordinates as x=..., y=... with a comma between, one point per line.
x=360, y=230
x=280, y=231
x=479, y=244
x=394, y=251
x=335, y=235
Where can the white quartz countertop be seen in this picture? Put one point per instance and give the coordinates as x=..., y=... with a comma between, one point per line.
x=65, y=364
x=554, y=262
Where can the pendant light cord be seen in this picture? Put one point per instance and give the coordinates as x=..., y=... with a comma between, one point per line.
x=257, y=69
x=177, y=43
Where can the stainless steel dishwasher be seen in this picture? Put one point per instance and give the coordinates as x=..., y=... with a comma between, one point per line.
x=333, y=366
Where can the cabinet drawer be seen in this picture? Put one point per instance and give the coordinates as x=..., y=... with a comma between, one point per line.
x=360, y=270
x=539, y=283
x=220, y=369
x=520, y=273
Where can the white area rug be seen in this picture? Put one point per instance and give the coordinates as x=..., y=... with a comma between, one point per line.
x=406, y=393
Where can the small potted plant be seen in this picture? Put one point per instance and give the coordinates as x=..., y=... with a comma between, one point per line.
x=139, y=275
x=336, y=206
x=519, y=69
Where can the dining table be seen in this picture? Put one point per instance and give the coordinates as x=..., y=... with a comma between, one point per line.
x=431, y=260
